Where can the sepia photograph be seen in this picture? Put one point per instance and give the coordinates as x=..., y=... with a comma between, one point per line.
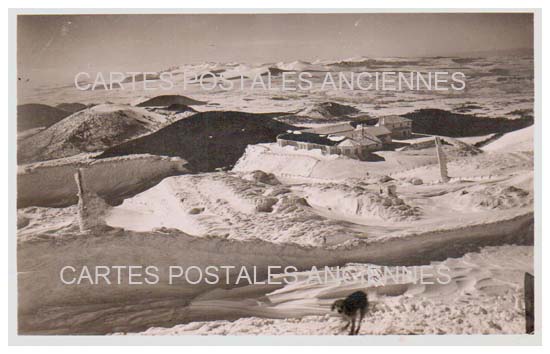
x=275, y=174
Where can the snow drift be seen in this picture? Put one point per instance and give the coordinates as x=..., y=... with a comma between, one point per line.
x=52, y=183
x=313, y=166
x=493, y=197
x=358, y=201
x=519, y=140
x=228, y=206
x=47, y=306
x=481, y=296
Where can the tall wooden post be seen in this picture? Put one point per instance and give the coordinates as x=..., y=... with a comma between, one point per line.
x=529, y=291
x=91, y=208
x=442, y=161
x=82, y=212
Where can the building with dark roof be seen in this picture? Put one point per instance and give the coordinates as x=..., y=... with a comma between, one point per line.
x=353, y=131
x=339, y=129
x=381, y=132
x=400, y=127
x=354, y=145
x=349, y=139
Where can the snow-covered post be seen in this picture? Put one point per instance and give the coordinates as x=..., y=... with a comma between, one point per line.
x=442, y=161
x=81, y=200
x=391, y=190
x=91, y=207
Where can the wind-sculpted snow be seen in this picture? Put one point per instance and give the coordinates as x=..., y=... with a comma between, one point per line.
x=484, y=296
x=314, y=166
x=229, y=206
x=519, y=140
x=492, y=197
x=359, y=201
x=46, y=305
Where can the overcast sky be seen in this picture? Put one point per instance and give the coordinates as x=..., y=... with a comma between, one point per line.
x=68, y=44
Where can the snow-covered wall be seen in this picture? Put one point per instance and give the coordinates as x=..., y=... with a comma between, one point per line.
x=52, y=183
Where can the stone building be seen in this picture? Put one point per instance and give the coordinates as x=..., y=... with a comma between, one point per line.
x=356, y=145
x=400, y=127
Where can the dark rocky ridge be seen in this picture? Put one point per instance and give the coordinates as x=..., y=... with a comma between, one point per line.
x=35, y=115
x=72, y=107
x=207, y=140
x=441, y=122
x=168, y=100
